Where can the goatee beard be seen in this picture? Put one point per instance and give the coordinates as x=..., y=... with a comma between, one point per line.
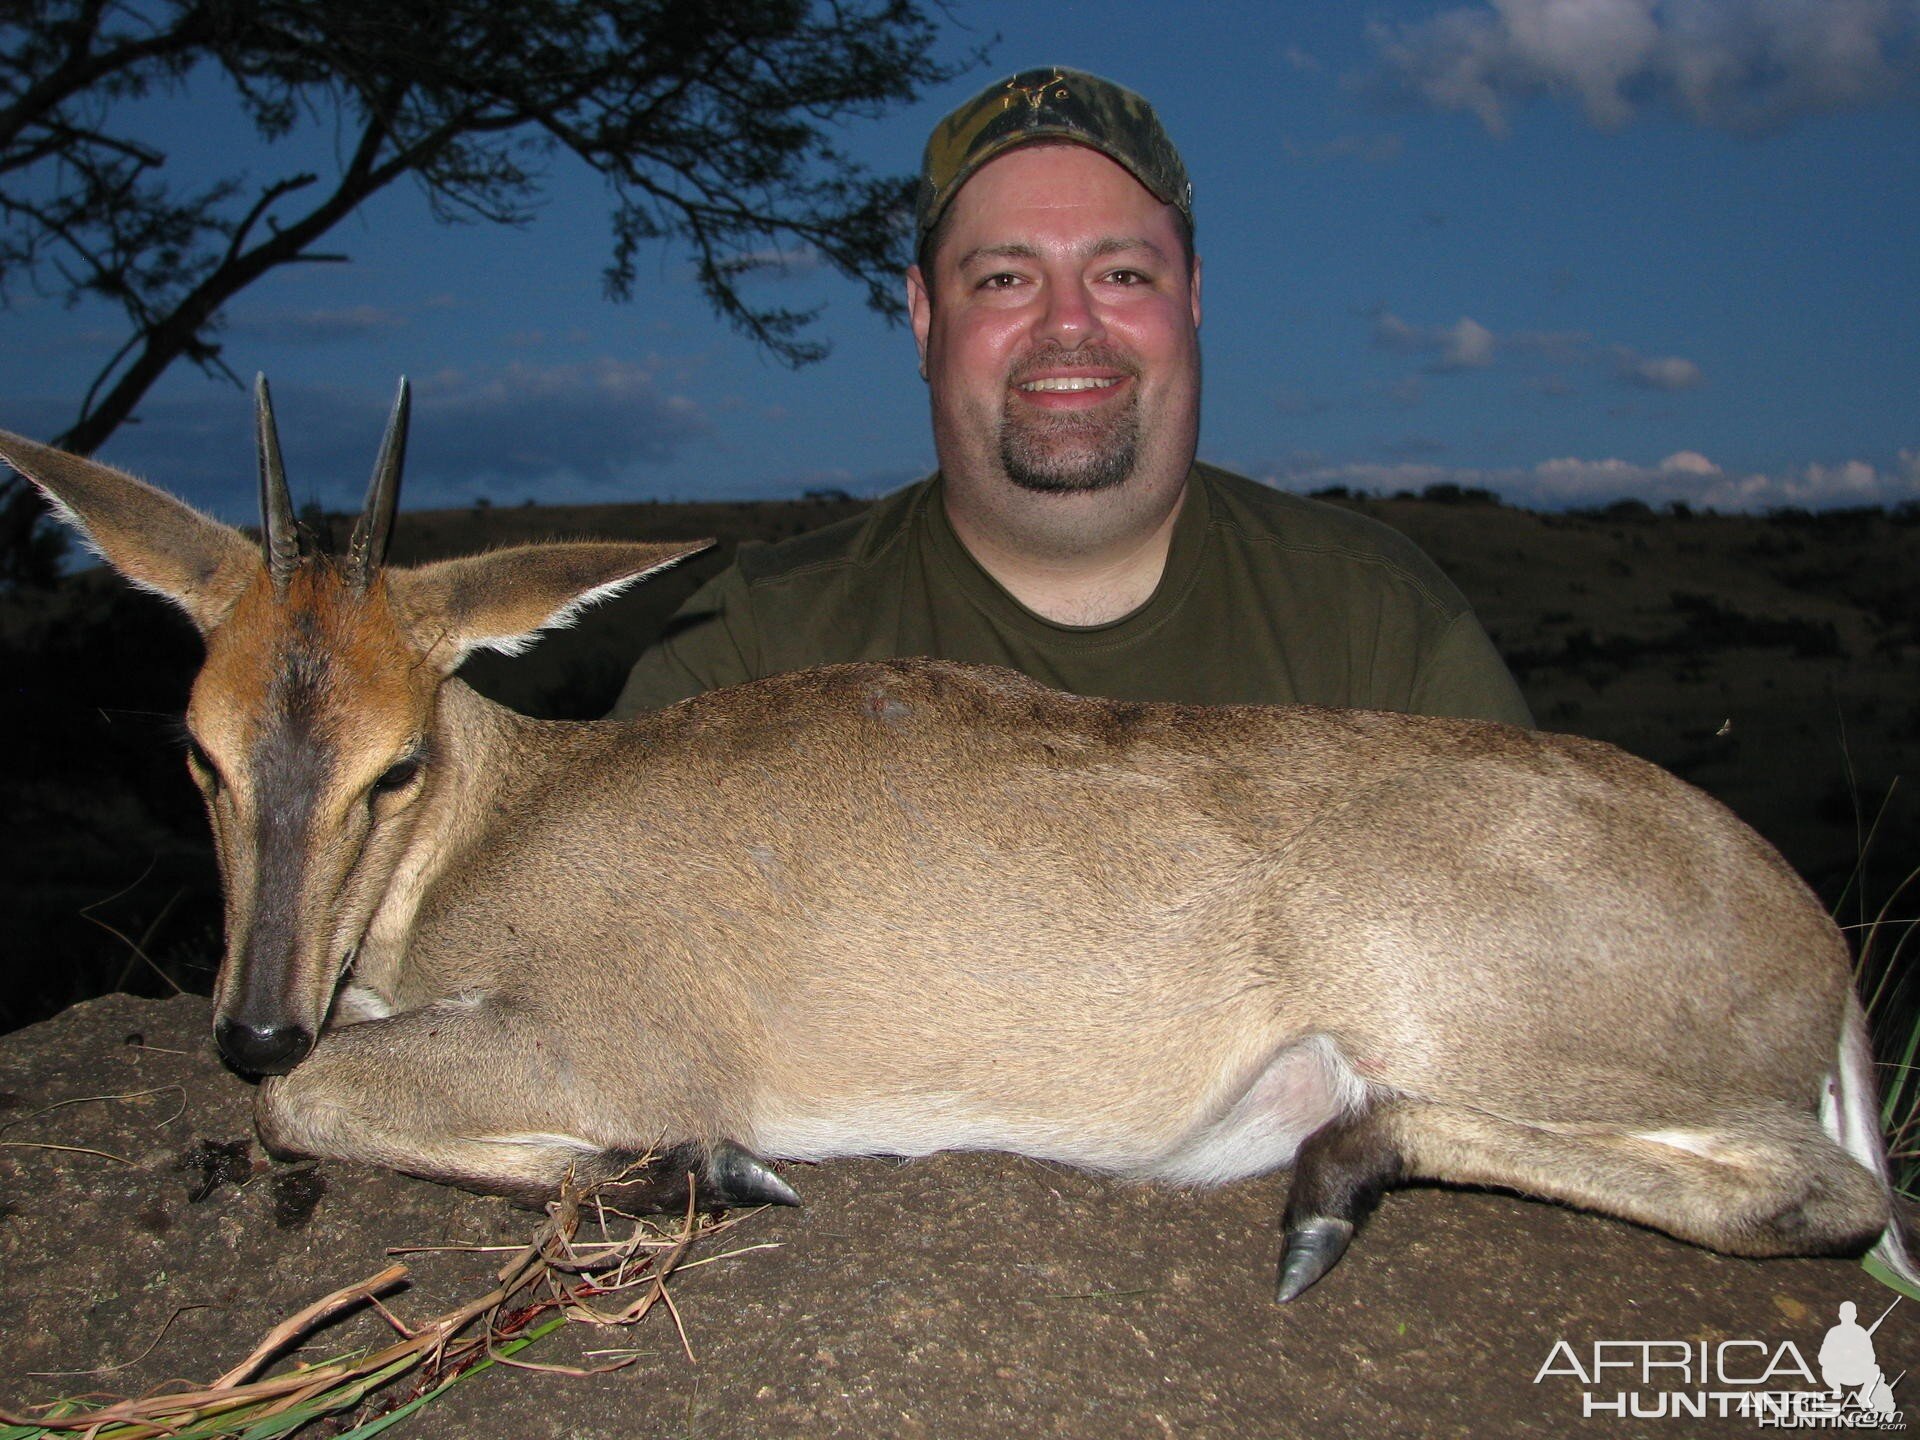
x=1072, y=453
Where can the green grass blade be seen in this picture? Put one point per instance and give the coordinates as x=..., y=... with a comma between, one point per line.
x=375, y=1426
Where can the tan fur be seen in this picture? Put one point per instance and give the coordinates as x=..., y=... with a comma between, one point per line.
x=911, y=905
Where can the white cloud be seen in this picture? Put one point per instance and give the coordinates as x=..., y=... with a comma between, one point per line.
x=1469, y=345
x=537, y=337
x=1686, y=476
x=1407, y=392
x=1292, y=400
x=1563, y=347
x=1570, y=481
x=1814, y=487
x=1464, y=345
x=1381, y=149
x=1742, y=64
x=309, y=327
x=1390, y=332
x=524, y=422
x=1688, y=462
x=512, y=430
x=1659, y=372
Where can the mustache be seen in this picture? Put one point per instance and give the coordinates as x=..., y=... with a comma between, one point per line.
x=1089, y=357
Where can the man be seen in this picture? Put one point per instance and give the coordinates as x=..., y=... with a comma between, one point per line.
x=1069, y=532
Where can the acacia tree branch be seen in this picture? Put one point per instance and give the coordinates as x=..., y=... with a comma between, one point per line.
x=269, y=197
x=707, y=116
x=178, y=332
x=61, y=137
x=83, y=69
x=61, y=228
x=113, y=362
x=167, y=337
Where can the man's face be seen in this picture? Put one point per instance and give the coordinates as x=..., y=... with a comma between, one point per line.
x=1059, y=329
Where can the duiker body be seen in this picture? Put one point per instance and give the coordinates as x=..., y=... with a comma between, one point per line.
x=912, y=906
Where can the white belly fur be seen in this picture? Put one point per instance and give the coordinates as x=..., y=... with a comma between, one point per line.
x=1305, y=1085
x=1259, y=1128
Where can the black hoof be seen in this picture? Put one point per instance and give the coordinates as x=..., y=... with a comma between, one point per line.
x=738, y=1177
x=1312, y=1249
x=722, y=1176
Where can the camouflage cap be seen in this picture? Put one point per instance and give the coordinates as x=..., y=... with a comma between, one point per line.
x=1050, y=103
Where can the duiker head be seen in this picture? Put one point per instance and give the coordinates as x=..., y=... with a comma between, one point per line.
x=315, y=728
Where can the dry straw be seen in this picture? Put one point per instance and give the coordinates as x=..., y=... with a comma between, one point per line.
x=557, y=1278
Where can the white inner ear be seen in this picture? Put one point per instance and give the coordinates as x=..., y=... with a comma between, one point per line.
x=66, y=515
x=563, y=617
x=69, y=517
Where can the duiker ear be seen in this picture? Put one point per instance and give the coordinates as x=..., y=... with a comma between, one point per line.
x=503, y=599
x=159, y=543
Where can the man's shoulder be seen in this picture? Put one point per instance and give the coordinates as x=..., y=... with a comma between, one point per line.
x=859, y=540
x=1279, y=516
x=1261, y=517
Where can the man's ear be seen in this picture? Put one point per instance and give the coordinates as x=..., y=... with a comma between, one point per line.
x=1193, y=287
x=920, y=311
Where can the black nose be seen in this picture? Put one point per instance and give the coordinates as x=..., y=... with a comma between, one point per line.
x=262, y=1049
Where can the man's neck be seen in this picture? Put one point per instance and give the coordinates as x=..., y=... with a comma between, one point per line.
x=1083, y=559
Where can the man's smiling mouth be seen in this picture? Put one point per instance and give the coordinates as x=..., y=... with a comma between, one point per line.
x=1071, y=382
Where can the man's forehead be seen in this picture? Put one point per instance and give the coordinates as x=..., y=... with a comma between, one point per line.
x=1088, y=247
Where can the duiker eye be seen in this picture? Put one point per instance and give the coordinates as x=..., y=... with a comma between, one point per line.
x=397, y=776
x=202, y=764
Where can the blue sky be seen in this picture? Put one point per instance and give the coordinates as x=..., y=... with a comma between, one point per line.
x=1571, y=250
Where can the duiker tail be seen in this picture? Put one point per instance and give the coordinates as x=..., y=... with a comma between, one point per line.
x=1849, y=1112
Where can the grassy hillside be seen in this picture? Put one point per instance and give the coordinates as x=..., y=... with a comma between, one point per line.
x=1775, y=662
x=1772, y=661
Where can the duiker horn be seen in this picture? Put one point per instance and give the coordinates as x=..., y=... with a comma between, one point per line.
x=279, y=534
x=367, y=550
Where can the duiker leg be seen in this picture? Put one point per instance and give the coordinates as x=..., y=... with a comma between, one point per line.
x=471, y=1094
x=1337, y=1176
x=1760, y=1182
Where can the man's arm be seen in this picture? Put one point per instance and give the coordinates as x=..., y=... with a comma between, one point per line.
x=1463, y=675
x=710, y=641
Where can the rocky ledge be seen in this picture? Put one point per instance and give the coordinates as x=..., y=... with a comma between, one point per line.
x=961, y=1296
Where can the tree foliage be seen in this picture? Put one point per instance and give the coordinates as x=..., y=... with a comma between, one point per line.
x=711, y=121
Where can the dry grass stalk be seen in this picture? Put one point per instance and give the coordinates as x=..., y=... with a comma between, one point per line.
x=558, y=1277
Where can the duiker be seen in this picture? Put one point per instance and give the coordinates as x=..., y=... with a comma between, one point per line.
x=912, y=906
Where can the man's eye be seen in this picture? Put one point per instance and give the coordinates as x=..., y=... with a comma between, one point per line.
x=1126, y=277
x=1002, y=281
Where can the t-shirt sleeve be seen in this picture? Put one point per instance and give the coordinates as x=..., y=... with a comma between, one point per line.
x=708, y=643
x=1464, y=676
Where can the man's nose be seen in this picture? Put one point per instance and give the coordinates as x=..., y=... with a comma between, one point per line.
x=1070, y=317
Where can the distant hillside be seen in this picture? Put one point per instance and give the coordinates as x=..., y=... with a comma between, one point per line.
x=1772, y=661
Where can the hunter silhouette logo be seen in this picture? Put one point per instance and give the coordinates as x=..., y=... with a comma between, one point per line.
x=1768, y=1382
x=1848, y=1364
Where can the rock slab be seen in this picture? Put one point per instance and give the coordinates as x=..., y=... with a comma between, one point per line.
x=955, y=1297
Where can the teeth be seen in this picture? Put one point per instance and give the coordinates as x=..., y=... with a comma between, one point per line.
x=1070, y=382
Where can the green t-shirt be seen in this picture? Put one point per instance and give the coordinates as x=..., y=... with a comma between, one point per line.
x=1267, y=598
